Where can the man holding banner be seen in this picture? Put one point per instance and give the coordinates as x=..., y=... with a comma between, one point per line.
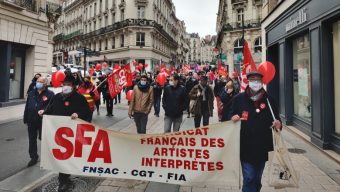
x=68, y=103
x=253, y=109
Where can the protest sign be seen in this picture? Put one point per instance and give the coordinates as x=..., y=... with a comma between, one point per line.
x=208, y=155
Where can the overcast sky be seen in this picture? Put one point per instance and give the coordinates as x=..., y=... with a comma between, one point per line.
x=199, y=15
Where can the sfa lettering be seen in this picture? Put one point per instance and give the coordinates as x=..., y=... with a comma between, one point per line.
x=65, y=134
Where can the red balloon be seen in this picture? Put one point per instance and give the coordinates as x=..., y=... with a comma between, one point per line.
x=58, y=78
x=161, y=79
x=267, y=69
x=129, y=95
x=98, y=67
x=140, y=66
x=105, y=65
x=146, y=65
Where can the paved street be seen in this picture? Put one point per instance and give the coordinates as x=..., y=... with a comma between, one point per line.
x=315, y=167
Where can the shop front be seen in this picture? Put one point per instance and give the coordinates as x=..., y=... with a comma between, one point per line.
x=12, y=73
x=304, y=44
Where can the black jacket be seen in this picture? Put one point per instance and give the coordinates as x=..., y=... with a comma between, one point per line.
x=190, y=84
x=174, y=101
x=157, y=90
x=256, y=134
x=34, y=103
x=219, y=85
x=226, y=99
x=74, y=103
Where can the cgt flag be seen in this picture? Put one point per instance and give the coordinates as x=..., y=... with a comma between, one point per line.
x=203, y=156
x=116, y=81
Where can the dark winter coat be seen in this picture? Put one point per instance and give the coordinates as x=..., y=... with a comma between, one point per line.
x=157, y=90
x=174, y=101
x=226, y=100
x=190, y=84
x=219, y=85
x=74, y=103
x=36, y=102
x=256, y=134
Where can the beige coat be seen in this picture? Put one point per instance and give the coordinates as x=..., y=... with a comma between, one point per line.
x=141, y=102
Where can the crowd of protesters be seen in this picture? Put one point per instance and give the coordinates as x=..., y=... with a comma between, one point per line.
x=190, y=92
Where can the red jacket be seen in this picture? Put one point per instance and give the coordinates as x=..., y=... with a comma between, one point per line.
x=85, y=91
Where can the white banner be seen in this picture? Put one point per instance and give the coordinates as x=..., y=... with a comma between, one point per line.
x=208, y=155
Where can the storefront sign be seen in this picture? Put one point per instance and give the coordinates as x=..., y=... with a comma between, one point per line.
x=203, y=156
x=299, y=20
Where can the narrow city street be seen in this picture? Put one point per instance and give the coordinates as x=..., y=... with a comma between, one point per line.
x=317, y=171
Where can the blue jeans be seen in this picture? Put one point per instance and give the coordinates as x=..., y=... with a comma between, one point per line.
x=252, y=175
x=157, y=105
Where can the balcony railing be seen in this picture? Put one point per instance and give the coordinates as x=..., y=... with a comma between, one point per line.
x=130, y=22
x=238, y=25
x=71, y=35
x=29, y=5
x=58, y=37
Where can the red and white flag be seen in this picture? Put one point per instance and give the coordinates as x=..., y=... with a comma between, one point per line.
x=116, y=81
x=248, y=66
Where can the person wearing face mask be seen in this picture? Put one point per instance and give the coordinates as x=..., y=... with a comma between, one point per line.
x=68, y=103
x=34, y=80
x=203, y=107
x=141, y=104
x=89, y=91
x=174, y=103
x=252, y=108
x=226, y=96
x=37, y=101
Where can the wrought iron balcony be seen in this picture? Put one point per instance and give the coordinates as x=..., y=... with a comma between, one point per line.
x=72, y=35
x=130, y=22
x=58, y=37
x=238, y=26
x=29, y=5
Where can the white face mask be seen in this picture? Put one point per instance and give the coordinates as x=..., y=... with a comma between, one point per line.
x=255, y=86
x=67, y=89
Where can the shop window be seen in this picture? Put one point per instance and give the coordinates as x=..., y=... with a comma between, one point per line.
x=336, y=48
x=302, y=78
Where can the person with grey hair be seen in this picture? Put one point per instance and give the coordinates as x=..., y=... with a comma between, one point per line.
x=37, y=100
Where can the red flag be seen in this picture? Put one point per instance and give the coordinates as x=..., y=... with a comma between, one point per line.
x=128, y=75
x=116, y=82
x=186, y=68
x=165, y=70
x=248, y=65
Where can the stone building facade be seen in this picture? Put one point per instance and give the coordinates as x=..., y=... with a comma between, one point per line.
x=147, y=31
x=229, y=30
x=25, y=47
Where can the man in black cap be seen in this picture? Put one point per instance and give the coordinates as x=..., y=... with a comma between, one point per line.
x=252, y=108
x=68, y=103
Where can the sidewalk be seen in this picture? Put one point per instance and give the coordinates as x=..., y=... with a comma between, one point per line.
x=315, y=167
